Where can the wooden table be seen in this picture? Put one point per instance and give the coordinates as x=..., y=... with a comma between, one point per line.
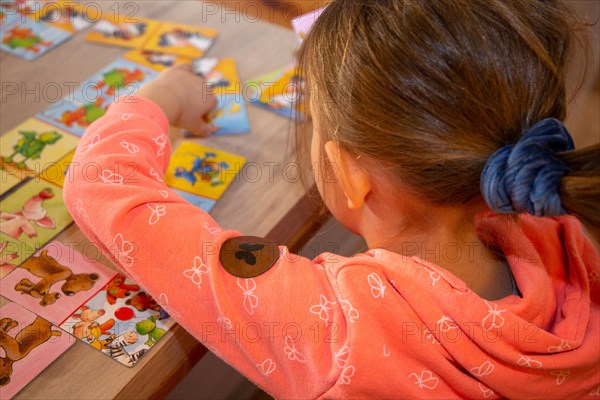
x=271, y=205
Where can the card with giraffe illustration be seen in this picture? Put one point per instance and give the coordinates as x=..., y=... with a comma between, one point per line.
x=121, y=320
x=123, y=30
x=56, y=280
x=34, y=213
x=29, y=39
x=184, y=40
x=33, y=146
x=29, y=344
x=202, y=170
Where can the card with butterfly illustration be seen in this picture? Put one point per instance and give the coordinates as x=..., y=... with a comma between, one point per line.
x=202, y=170
x=121, y=320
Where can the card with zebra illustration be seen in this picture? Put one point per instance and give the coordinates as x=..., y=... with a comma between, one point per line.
x=122, y=321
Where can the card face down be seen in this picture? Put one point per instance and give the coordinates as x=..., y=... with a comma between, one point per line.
x=29, y=345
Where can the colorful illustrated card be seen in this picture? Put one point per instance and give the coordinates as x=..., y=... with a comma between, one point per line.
x=29, y=39
x=56, y=281
x=34, y=213
x=33, y=146
x=7, y=181
x=230, y=116
x=278, y=91
x=119, y=78
x=29, y=345
x=68, y=15
x=57, y=172
x=155, y=59
x=221, y=74
x=74, y=117
x=12, y=253
x=198, y=201
x=202, y=170
x=121, y=320
x=303, y=23
x=125, y=31
x=184, y=40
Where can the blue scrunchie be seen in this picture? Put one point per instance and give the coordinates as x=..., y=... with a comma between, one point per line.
x=526, y=176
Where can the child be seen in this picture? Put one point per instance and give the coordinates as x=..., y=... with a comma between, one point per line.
x=429, y=113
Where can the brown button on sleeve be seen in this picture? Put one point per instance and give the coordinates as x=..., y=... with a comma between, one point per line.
x=248, y=256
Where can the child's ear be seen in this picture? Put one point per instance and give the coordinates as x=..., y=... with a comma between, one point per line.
x=352, y=176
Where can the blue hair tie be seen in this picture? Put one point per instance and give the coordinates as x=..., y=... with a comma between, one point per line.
x=526, y=176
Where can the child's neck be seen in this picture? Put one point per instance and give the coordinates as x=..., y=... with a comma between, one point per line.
x=447, y=237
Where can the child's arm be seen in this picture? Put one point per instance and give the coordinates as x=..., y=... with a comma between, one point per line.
x=281, y=328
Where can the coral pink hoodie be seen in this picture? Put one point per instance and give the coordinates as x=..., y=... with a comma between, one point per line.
x=376, y=325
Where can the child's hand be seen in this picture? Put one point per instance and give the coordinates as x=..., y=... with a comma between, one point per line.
x=183, y=96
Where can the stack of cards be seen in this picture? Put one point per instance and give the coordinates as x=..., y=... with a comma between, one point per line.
x=278, y=91
x=29, y=29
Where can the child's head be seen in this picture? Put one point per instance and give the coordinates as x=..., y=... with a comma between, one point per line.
x=430, y=89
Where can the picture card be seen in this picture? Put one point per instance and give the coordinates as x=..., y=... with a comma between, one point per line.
x=7, y=181
x=34, y=213
x=278, y=91
x=123, y=30
x=29, y=39
x=29, y=345
x=12, y=254
x=57, y=172
x=184, y=40
x=56, y=281
x=155, y=59
x=119, y=78
x=68, y=15
x=31, y=147
x=203, y=203
x=221, y=74
x=202, y=170
x=74, y=117
x=121, y=320
x=230, y=116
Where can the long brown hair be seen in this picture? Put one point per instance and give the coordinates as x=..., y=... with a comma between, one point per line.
x=432, y=88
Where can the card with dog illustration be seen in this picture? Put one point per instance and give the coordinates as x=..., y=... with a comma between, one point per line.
x=31, y=147
x=122, y=321
x=57, y=172
x=74, y=117
x=29, y=40
x=34, y=213
x=67, y=15
x=184, y=40
x=12, y=254
x=221, y=74
x=202, y=170
x=29, y=345
x=56, y=281
x=155, y=59
x=123, y=30
x=119, y=78
x=277, y=91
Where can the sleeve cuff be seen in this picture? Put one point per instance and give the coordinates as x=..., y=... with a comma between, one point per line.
x=141, y=106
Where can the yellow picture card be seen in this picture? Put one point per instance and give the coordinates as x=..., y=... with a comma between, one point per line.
x=203, y=170
x=184, y=40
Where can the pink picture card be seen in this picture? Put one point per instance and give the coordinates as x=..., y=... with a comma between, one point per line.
x=56, y=281
x=22, y=360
